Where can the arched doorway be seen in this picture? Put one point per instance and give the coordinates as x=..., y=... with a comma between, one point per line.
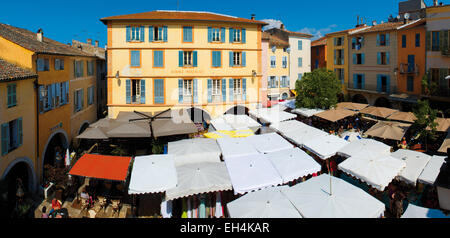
x=358, y=98
x=198, y=115
x=20, y=169
x=238, y=110
x=83, y=127
x=383, y=102
x=56, y=145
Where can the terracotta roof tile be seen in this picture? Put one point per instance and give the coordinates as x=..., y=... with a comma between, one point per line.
x=388, y=26
x=320, y=41
x=348, y=30
x=28, y=40
x=9, y=72
x=181, y=15
x=275, y=40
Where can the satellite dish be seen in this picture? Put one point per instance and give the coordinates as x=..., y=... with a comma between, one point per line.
x=406, y=15
x=398, y=17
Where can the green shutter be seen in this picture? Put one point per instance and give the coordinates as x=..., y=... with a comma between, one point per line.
x=180, y=58
x=209, y=90
x=428, y=41
x=194, y=56
x=180, y=90
x=5, y=138
x=231, y=90
x=150, y=34
x=19, y=132
x=128, y=90
x=142, y=91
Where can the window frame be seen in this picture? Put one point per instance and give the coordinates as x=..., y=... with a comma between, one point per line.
x=163, y=58
x=13, y=102
x=239, y=58
x=192, y=34
x=188, y=55
x=136, y=88
x=140, y=58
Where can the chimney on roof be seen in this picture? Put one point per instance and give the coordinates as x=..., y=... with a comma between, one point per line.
x=435, y=3
x=40, y=35
x=374, y=23
x=253, y=17
x=96, y=43
x=89, y=41
x=282, y=26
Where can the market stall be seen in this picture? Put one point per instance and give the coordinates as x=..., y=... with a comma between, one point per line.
x=194, y=151
x=265, y=203
x=235, y=147
x=415, y=164
x=414, y=211
x=252, y=172
x=304, y=134
x=334, y=115
x=381, y=112
x=271, y=142
x=373, y=168
x=325, y=147
x=351, y=136
x=364, y=146
x=403, y=116
x=431, y=170
x=351, y=106
x=272, y=115
x=307, y=112
x=388, y=130
x=293, y=163
x=288, y=126
x=326, y=196
x=230, y=122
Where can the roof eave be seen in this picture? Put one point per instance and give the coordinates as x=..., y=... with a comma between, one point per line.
x=105, y=20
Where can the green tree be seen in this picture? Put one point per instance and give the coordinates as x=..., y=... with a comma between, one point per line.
x=318, y=89
x=425, y=124
x=429, y=87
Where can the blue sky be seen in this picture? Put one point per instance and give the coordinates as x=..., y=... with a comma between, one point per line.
x=79, y=19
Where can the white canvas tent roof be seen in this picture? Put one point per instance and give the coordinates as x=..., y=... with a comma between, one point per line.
x=220, y=124
x=307, y=112
x=235, y=147
x=266, y=203
x=304, y=134
x=252, y=172
x=152, y=174
x=313, y=200
x=374, y=169
x=414, y=211
x=272, y=115
x=271, y=142
x=287, y=126
x=230, y=122
x=364, y=146
x=325, y=147
x=415, y=163
x=293, y=163
x=432, y=170
x=200, y=178
x=195, y=150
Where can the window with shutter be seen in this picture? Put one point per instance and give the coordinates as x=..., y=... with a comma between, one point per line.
x=158, y=58
x=187, y=34
x=159, y=91
x=135, y=58
x=11, y=95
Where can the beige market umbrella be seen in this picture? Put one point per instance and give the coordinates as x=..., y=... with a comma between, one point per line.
x=403, y=116
x=334, y=115
x=93, y=133
x=378, y=111
x=443, y=124
x=129, y=130
x=351, y=106
x=388, y=130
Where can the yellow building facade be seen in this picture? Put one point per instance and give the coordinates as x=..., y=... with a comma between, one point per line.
x=54, y=63
x=159, y=60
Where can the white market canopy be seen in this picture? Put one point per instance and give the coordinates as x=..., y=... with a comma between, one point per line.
x=266, y=203
x=287, y=126
x=432, y=170
x=351, y=136
x=325, y=147
x=313, y=200
x=230, y=122
x=414, y=211
x=374, y=169
x=301, y=135
x=272, y=115
x=251, y=173
x=270, y=142
x=415, y=163
x=152, y=174
x=236, y=147
x=195, y=150
x=364, y=146
x=293, y=163
x=307, y=112
x=200, y=178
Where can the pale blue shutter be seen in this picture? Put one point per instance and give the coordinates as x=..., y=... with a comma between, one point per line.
x=378, y=57
x=195, y=91
x=142, y=34
x=180, y=90
x=354, y=58
x=209, y=90
x=244, y=89
x=231, y=35
x=165, y=33
x=224, y=90
x=82, y=99
x=387, y=39
x=378, y=83
x=387, y=58
x=378, y=39
x=5, y=138
x=194, y=56
x=231, y=59
x=209, y=34
x=53, y=96
x=128, y=90
x=180, y=58
x=19, y=132
x=159, y=94
x=363, y=86
x=67, y=92
x=288, y=81
x=362, y=58
x=244, y=59
x=41, y=99
x=127, y=29
x=335, y=54
x=231, y=89
x=388, y=84
x=222, y=34
x=243, y=35
x=58, y=94
x=150, y=34
x=355, y=81
x=142, y=91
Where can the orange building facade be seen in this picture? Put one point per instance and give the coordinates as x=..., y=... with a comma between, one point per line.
x=411, y=57
x=319, y=53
